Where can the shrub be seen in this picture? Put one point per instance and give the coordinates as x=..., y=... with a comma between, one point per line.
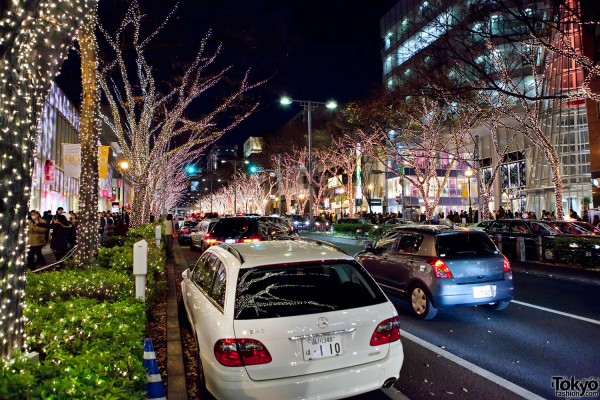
x=87, y=349
x=353, y=231
x=94, y=283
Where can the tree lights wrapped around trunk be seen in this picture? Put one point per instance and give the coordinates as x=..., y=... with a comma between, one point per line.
x=34, y=38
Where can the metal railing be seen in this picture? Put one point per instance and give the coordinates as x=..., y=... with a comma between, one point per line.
x=59, y=262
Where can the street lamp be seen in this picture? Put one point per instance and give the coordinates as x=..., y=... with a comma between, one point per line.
x=309, y=106
x=123, y=166
x=469, y=174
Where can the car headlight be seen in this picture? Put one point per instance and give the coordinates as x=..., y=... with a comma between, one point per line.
x=317, y=223
x=307, y=223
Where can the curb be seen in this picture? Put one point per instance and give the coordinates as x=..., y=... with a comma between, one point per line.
x=177, y=387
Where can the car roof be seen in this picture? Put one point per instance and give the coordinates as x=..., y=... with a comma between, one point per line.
x=281, y=251
x=427, y=229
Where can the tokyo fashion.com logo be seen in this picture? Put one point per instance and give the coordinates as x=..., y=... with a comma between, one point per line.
x=568, y=386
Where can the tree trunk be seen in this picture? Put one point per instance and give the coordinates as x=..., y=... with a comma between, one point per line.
x=139, y=212
x=87, y=231
x=485, y=209
x=27, y=63
x=555, y=165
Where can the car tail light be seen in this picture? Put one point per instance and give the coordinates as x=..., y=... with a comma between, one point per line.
x=387, y=331
x=239, y=352
x=507, y=269
x=439, y=267
x=185, y=231
x=250, y=240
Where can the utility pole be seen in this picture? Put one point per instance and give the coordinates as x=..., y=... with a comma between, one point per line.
x=279, y=181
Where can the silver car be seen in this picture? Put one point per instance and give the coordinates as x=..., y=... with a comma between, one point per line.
x=200, y=235
x=438, y=267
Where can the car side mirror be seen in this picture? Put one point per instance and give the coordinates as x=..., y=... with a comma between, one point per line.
x=369, y=246
x=184, y=274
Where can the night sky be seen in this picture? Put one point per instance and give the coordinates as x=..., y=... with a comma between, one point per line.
x=310, y=50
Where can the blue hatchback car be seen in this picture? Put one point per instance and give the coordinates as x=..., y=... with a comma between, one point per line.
x=436, y=267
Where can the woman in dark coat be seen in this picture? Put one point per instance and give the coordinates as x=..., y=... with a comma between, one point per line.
x=60, y=230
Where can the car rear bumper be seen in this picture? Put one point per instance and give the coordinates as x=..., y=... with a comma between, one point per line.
x=334, y=384
x=184, y=239
x=449, y=294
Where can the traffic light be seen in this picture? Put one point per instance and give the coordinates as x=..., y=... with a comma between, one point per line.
x=253, y=169
x=190, y=169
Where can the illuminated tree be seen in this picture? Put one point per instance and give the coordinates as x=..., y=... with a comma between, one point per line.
x=87, y=231
x=147, y=122
x=34, y=38
x=419, y=139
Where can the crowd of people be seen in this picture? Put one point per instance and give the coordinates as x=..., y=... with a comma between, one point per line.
x=59, y=231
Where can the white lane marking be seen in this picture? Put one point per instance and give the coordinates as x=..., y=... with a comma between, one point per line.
x=592, y=321
x=473, y=368
x=394, y=393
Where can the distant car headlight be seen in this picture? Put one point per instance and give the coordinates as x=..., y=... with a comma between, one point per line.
x=574, y=245
x=375, y=226
x=317, y=223
x=307, y=223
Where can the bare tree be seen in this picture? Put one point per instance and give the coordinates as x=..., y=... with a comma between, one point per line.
x=146, y=122
x=34, y=38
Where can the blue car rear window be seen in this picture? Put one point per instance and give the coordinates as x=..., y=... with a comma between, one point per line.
x=464, y=244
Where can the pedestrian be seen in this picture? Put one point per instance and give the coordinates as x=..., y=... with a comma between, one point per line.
x=169, y=229
x=48, y=220
x=72, y=233
x=37, y=232
x=109, y=229
x=58, y=243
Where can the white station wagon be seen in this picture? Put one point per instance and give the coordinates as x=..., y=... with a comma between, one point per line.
x=291, y=319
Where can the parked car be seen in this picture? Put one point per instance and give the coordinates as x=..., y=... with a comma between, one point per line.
x=480, y=226
x=211, y=215
x=183, y=233
x=436, y=267
x=398, y=221
x=200, y=236
x=289, y=319
x=572, y=228
x=587, y=226
x=509, y=231
x=251, y=230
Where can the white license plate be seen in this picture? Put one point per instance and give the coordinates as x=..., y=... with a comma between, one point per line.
x=480, y=292
x=322, y=346
x=229, y=240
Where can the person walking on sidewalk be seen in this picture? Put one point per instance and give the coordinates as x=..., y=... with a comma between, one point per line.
x=169, y=229
x=37, y=239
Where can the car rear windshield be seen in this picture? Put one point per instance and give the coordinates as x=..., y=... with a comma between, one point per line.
x=464, y=244
x=307, y=288
x=267, y=228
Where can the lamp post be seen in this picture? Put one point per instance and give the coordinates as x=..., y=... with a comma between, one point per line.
x=469, y=174
x=123, y=166
x=309, y=106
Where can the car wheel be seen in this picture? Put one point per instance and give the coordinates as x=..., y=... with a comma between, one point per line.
x=202, y=248
x=421, y=303
x=499, y=305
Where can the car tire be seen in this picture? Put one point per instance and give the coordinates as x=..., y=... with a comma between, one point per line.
x=202, y=248
x=192, y=247
x=499, y=305
x=421, y=304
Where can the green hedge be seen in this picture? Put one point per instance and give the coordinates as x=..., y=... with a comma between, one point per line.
x=87, y=328
x=574, y=251
x=353, y=231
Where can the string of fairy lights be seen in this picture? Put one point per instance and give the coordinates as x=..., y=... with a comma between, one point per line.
x=34, y=41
